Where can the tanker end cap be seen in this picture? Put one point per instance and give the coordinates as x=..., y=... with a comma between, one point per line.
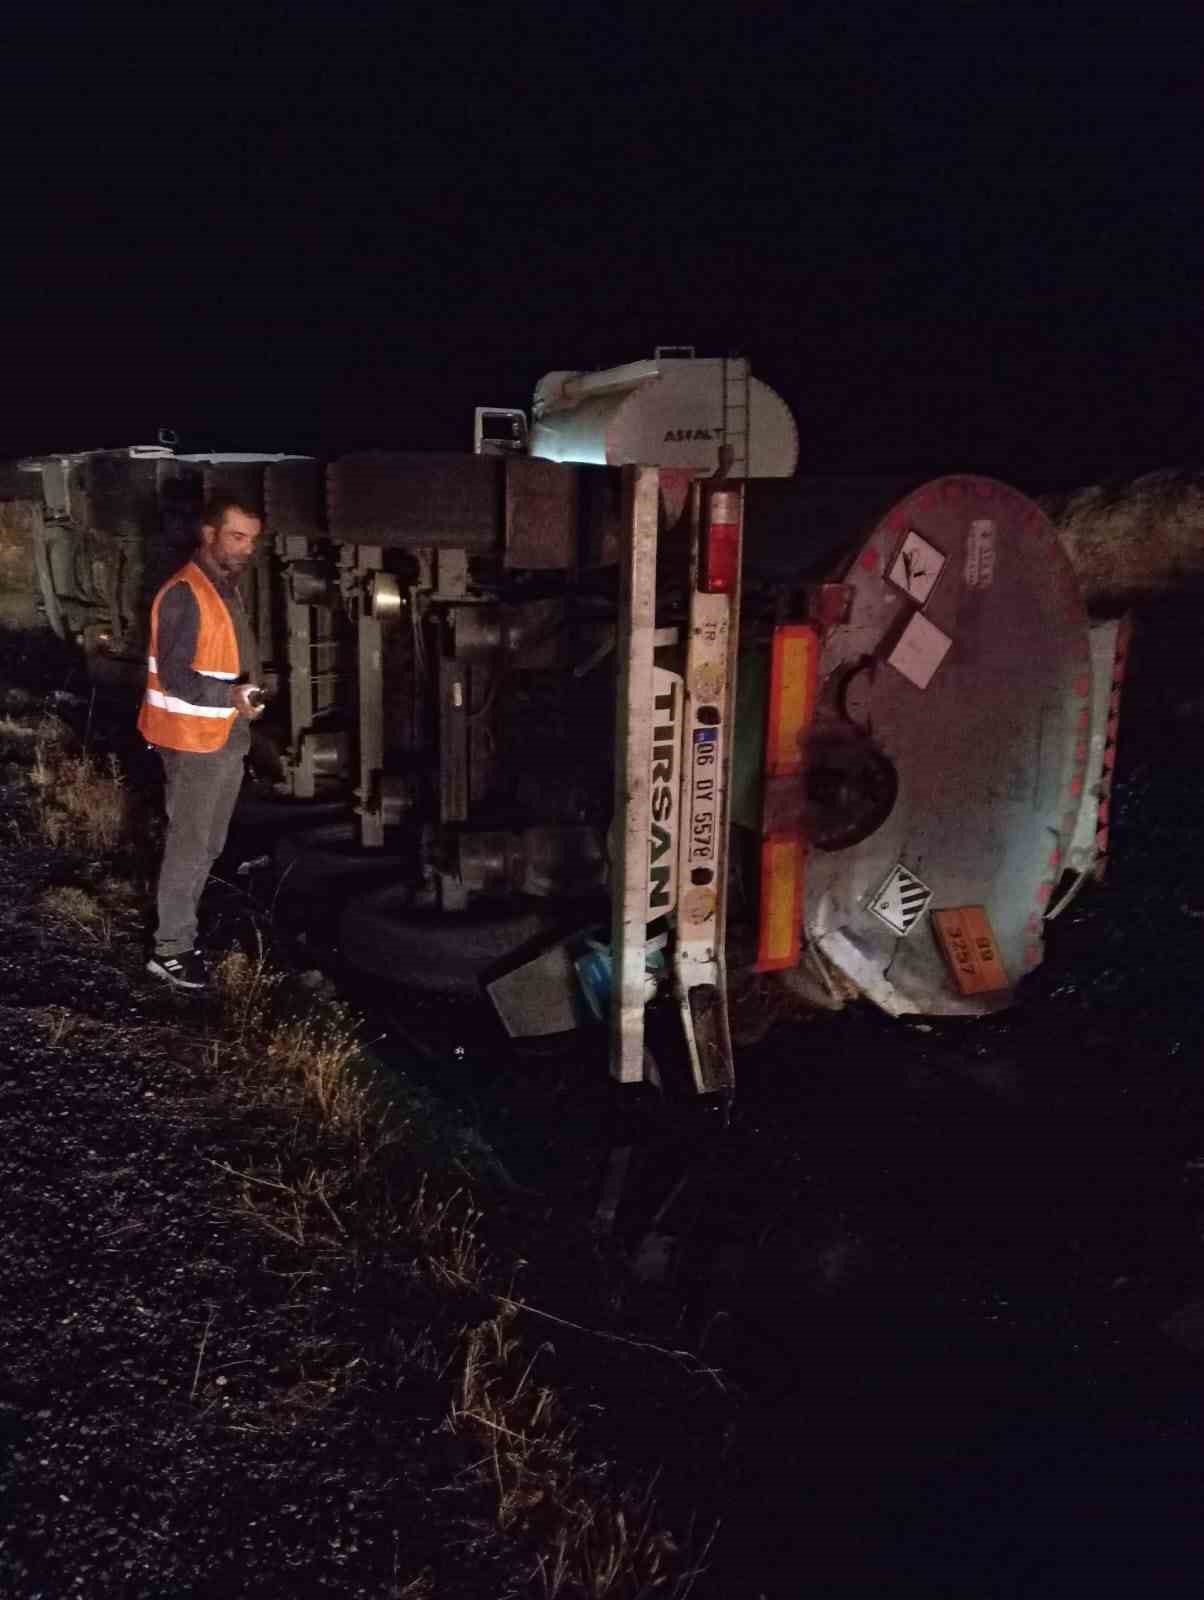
x=549, y=392
x=773, y=444
x=709, y=417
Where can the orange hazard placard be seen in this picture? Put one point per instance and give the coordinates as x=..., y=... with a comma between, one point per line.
x=966, y=937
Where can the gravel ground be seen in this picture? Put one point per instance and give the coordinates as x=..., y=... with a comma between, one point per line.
x=195, y=1402
x=178, y=1413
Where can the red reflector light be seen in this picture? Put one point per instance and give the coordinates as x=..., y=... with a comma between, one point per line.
x=721, y=563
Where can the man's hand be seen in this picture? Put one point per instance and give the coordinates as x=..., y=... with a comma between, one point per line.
x=241, y=700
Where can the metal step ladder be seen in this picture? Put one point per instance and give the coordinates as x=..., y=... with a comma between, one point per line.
x=736, y=416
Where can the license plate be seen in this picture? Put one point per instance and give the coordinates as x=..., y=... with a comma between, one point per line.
x=704, y=780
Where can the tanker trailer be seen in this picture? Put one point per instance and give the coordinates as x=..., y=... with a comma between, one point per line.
x=590, y=759
x=913, y=762
x=601, y=777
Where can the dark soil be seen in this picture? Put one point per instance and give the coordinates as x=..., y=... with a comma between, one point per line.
x=952, y=1277
x=966, y=1262
x=953, y=1273
x=194, y=1405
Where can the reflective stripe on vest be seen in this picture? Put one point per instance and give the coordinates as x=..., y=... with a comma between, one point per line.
x=178, y=724
x=152, y=665
x=185, y=708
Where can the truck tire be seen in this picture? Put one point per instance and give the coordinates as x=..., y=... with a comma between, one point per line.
x=326, y=863
x=442, y=952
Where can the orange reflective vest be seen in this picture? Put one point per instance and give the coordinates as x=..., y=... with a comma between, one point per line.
x=177, y=724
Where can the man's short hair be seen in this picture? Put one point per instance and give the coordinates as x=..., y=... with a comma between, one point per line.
x=213, y=512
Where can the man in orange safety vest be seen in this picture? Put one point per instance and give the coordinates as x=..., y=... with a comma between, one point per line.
x=201, y=697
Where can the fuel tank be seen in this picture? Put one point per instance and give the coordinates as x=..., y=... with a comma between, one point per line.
x=949, y=754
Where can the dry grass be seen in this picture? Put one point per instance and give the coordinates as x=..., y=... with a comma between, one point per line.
x=591, y=1544
x=1127, y=540
x=27, y=738
x=613, y=1550
x=319, y=1051
x=16, y=546
x=595, y=1546
x=60, y=1023
x=445, y=1230
x=17, y=739
x=530, y=1453
x=80, y=910
x=309, y=1060
x=298, y=1209
x=248, y=993
x=323, y=1206
x=420, y=1588
x=119, y=896
x=80, y=800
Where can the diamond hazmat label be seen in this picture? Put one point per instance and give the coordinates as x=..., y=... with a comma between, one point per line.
x=917, y=567
x=901, y=901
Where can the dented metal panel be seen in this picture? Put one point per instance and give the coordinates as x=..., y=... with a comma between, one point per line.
x=986, y=722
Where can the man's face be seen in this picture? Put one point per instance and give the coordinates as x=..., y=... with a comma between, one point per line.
x=231, y=546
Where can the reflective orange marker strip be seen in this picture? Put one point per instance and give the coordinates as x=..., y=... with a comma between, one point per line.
x=793, y=676
x=779, y=934
x=794, y=673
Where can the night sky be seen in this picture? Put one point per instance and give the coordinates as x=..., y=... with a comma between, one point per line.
x=953, y=237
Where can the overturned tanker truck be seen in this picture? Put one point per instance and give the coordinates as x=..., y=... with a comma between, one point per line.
x=567, y=720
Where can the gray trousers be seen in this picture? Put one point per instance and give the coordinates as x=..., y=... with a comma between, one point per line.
x=200, y=798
